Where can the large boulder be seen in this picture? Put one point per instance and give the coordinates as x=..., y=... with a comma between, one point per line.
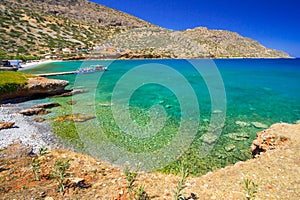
x=33, y=111
x=36, y=87
x=6, y=125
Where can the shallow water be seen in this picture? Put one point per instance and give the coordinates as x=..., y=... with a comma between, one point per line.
x=152, y=111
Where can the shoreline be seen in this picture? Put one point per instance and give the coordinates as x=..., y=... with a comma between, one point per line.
x=33, y=64
x=26, y=130
x=29, y=65
x=273, y=172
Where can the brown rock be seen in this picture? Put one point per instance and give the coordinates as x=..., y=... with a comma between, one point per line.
x=17, y=150
x=41, y=85
x=75, y=118
x=46, y=105
x=36, y=87
x=6, y=125
x=39, y=119
x=33, y=111
x=267, y=140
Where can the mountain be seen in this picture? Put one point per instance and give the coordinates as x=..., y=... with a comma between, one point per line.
x=71, y=28
x=222, y=43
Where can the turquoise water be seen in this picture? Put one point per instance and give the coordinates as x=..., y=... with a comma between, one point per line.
x=177, y=107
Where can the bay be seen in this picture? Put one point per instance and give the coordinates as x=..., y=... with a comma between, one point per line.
x=147, y=109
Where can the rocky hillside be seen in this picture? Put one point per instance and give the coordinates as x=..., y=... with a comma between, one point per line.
x=69, y=28
x=222, y=43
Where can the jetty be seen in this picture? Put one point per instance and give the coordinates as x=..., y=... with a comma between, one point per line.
x=56, y=73
x=91, y=69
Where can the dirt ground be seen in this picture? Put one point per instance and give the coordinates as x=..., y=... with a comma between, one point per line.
x=275, y=172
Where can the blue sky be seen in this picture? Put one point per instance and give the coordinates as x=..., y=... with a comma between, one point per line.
x=275, y=23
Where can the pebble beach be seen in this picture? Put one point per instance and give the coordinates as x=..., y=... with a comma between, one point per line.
x=26, y=130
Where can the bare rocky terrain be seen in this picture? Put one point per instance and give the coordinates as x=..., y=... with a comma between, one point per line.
x=64, y=28
x=272, y=175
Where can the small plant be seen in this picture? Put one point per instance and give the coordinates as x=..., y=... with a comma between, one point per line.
x=35, y=166
x=250, y=188
x=181, y=182
x=43, y=151
x=131, y=178
x=60, y=173
x=141, y=194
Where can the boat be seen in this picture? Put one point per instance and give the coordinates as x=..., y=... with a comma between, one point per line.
x=99, y=67
x=91, y=69
x=84, y=70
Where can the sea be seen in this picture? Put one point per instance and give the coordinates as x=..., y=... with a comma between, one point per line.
x=162, y=114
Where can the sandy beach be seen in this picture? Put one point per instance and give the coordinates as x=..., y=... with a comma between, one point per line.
x=36, y=63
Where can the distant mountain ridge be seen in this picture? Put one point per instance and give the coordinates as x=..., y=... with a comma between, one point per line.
x=73, y=28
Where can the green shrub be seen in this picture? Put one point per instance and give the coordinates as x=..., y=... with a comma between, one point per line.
x=61, y=173
x=11, y=81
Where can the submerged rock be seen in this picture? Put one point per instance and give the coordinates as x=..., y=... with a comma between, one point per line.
x=6, y=125
x=209, y=138
x=168, y=106
x=46, y=105
x=217, y=112
x=75, y=118
x=105, y=104
x=229, y=147
x=259, y=125
x=71, y=93
x=242, y=124
x=33, y=111
x=238, y=136
x=71, y=102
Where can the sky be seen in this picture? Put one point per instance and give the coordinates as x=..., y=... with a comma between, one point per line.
x=274, y=23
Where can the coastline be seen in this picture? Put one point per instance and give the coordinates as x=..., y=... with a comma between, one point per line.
x=274, y=173
x=33, y=64
x=26, y=130
x=225, y=183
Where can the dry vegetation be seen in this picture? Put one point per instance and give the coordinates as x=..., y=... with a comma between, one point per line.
x=32, y=27
x=63, y=174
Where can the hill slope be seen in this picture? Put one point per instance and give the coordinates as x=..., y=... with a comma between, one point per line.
x=229, y=44
x=75, y=27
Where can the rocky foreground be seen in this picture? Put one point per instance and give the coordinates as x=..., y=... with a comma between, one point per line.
x=272, y=174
